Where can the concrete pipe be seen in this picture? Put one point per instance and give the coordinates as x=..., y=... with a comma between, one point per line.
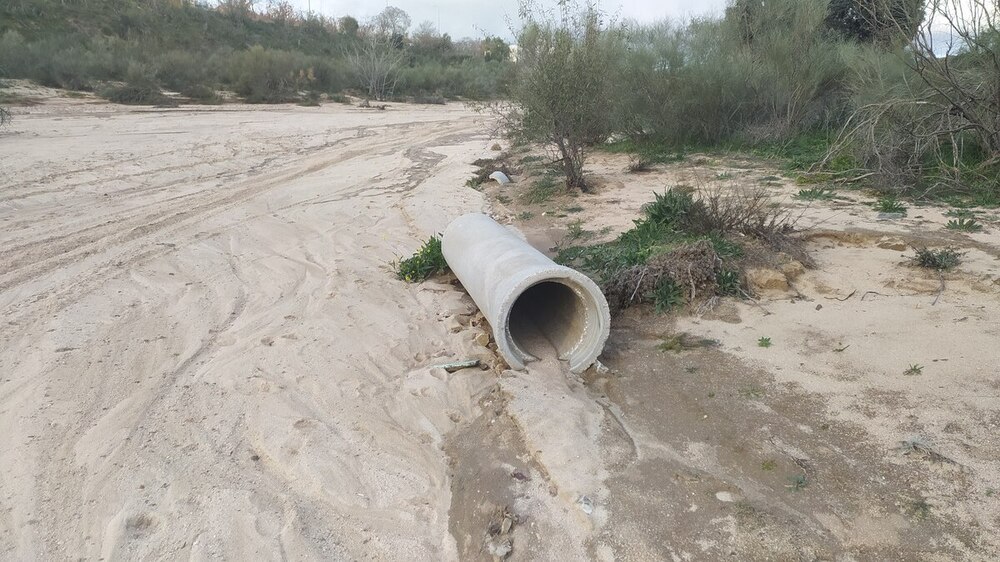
x=532, y=304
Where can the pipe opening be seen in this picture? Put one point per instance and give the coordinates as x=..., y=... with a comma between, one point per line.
x=549, y=319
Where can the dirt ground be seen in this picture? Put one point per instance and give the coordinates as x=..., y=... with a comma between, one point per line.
x=204, y=353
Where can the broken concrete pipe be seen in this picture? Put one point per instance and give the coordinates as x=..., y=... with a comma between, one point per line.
x=533, y=304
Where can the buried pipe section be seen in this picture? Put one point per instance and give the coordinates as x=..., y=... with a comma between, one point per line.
x=534, y=305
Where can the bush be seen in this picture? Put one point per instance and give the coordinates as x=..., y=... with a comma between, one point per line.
x=135, y=94
x=264, y=75
x=714, y=80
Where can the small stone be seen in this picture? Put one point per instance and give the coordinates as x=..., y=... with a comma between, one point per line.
x=725, y=497
x=793, y=270
x=483, y=339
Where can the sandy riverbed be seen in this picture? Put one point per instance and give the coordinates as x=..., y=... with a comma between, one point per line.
x=204, y=354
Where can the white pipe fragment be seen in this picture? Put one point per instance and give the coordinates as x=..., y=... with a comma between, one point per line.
x=531, y=302
x=500, y=177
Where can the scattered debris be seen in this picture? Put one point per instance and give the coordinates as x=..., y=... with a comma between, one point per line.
x=586, y=504
x=498, y=542
x=458, y=365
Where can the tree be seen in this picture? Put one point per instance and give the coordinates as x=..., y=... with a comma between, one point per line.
x=349, y=26
x=866, y=21
x=379, y=52
x=564, y=84
x=876, y=21
x=495, y=49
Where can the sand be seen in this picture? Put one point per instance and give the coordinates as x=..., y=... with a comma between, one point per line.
x=204, y=352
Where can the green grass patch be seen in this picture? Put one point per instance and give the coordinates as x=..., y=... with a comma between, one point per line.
x=542, y=189
x=816, y=194
x=425, y=263
x=964, y=225
x=890, y=204
x=668, y=295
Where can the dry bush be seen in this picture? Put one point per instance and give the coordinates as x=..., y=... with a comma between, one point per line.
x=692, y=266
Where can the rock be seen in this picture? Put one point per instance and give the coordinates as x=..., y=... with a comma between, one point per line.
x=792, y=270
x=483, y=339
x=762, y=280
x=727, y=497
x=892, y=244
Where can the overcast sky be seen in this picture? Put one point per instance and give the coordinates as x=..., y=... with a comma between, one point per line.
x=474, y=18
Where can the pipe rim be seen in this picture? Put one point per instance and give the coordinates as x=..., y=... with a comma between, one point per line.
x=597, y=325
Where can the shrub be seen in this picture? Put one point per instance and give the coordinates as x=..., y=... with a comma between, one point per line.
x=135, y=94
x=426, y=262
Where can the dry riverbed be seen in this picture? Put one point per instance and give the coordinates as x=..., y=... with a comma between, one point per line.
x=204, y=353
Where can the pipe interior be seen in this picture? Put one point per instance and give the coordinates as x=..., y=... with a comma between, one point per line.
x=549, y=318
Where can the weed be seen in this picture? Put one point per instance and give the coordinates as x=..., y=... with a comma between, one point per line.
x=525, y=215
x=575, y=231
x=692, y=369
x=725, y=248
x=940, y=260
x=764, y=342
x=728, y=282
x=503, y=199
x=890, y=204
x=574, y=209
x=816, y=194
x=914, y=370
x=990, y=492
x=669, y=208
x=965, y=225
x=426, y=262
x=684, y=342
x=919, y=509
x=667, y=295
x=724, y=176
x=752, y=392
x=768, y=465
x=797, y=483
